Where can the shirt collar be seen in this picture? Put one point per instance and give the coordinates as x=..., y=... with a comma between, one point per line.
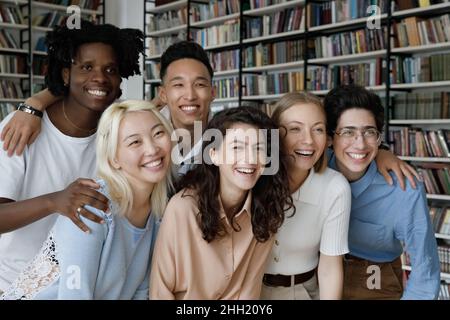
x=360, y=185
x=308, y=192
x=246, y=208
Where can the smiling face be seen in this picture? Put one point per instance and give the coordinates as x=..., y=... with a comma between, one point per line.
x=240, y=158
x=354, y=155
x=188, y=92
x=93, y=79
x=143, y=151
x=305, y=139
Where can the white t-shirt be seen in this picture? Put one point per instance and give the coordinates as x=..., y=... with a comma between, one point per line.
x=320, y=224
x=50, y=164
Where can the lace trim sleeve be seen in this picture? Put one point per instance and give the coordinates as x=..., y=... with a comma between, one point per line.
x=42, y=271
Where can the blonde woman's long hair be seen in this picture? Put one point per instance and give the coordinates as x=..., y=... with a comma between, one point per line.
x=107, y=141
x=289, y=100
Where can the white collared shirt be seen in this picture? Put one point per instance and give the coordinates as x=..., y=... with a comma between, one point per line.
x=320, y=224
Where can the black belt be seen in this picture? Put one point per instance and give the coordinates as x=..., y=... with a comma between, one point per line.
x=281, y=280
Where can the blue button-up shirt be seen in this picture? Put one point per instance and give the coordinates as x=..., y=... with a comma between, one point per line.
x=382, y=218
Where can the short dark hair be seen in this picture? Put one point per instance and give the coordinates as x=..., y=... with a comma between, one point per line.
x=271, y=194
x=63, y=44
x=342, y=98
x=184, y=50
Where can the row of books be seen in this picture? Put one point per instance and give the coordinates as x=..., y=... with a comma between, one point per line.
x=444, y=257
x=10, y=90
x=49, y=19
x=5, y=109
x=440, y=219
x=345, y=10
x=215, y=9
x=255, y=4
x=413, y=31
x=156, y=46
x=410, y=4
x=353, y=42
x=167, y=19
x=321, y=13
x=421, y=105
x=151, y=91
x=12, y=64
x=84, y=4
x=275, y=83
x=420, y=69
x=40, y=44
x=7, y=40
x=444, y=291
x=40, y=65
x=226, y=87
x=319, y=78
x=436, y=177
x=364, y=74
x=416, y=142
x=224, y=60
x=273, y=53
x=152, y=70
x=218, y=34
x=282, y=21
x=11, y=14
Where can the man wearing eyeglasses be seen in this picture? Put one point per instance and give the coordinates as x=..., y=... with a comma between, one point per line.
x=384, y=219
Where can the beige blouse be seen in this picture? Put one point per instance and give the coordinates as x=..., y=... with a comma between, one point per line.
x=187, y=267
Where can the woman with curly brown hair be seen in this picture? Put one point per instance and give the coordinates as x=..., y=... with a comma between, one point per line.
x=218, y=229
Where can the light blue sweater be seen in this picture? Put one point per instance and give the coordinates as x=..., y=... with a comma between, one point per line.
x=112, y=262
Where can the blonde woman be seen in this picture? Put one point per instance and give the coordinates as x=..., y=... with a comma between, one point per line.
x=308, y=250
x=113, y=260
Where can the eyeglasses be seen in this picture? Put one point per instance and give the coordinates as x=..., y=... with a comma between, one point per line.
x=349, y=135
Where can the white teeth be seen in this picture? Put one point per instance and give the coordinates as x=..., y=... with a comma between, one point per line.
x=304, y=152
x=153, y=163
x=99, y=93
x=357, y=156
x=189, y=108
x=245, y=170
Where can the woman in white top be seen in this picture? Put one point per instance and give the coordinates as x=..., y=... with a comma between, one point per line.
x=316, y=236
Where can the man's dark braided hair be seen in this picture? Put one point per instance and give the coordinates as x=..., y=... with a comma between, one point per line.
x=63, y=43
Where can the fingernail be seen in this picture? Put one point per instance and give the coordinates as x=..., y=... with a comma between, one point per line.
x=87, y=231
x=102, y=221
